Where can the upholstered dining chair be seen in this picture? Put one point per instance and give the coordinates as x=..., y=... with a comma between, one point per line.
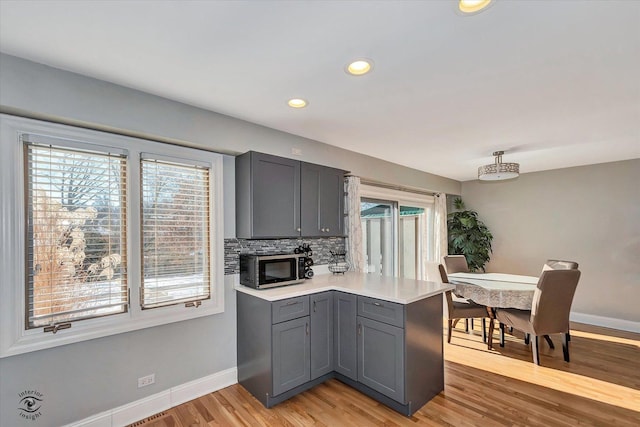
x=549, y=312
x=455, y=264
x=458, y=264
x=551, y=264
x=461, y=309
x=557, y=264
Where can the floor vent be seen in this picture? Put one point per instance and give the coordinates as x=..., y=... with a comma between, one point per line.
x=151, y=418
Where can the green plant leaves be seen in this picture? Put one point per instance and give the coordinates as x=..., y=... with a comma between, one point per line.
x=469, y=236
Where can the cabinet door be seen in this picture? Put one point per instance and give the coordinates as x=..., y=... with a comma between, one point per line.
x=321, y=334
x=332, y=202
x=275, y=195
x=322, y=204
x=381, y=357
x=290, y=354
x=344, y=344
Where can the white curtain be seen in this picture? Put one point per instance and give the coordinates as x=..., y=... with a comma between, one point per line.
x=440, y=227
x=355, y=254
x=423, y=270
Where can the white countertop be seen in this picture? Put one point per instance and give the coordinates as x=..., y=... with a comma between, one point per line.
x=393, y=289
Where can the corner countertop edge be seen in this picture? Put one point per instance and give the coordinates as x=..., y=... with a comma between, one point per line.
x=393, y=289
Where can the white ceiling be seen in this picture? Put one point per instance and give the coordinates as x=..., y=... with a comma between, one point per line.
x=554, y=83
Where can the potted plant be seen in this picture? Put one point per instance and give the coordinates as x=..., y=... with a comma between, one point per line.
x=468, y=236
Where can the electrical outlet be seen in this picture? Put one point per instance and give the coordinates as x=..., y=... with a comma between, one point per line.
x=146, y=380
x=296, y=151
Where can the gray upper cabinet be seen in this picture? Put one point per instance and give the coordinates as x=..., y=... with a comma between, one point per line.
x=267, y=196
x=278, y=197
x=321, y=334
x=322, y=198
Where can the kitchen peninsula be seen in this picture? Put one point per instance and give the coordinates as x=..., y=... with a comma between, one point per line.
x=380, y=335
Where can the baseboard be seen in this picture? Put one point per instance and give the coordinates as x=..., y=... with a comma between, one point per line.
x=607, y=322
x=196, y=388
x=151, y=405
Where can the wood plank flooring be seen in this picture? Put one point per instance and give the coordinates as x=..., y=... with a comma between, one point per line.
x=502, y=387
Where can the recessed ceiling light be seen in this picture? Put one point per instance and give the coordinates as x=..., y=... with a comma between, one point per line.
x=360, y=67
x=297, y=103
x=473, y=6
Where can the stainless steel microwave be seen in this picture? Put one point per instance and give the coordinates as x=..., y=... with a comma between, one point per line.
x=269, y=271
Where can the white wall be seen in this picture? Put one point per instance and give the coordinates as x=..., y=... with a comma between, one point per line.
x=589, y=214
x=83, y=379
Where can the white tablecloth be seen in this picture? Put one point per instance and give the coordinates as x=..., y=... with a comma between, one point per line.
x=494, y=290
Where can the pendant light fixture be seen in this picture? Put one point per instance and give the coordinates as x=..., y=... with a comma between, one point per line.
x=498, y=171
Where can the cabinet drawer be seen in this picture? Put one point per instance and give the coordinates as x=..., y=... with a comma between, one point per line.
x=383, y=311
x=288, y=309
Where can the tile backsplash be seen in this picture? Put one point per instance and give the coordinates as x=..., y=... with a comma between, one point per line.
x=321, y=247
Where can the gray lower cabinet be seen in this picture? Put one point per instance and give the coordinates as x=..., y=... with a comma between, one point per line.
x=391, y=352
x=381, y=357
x=321, y=318
x=344, y=341
x=290, y=354
x=284, y=347
x=400, y=351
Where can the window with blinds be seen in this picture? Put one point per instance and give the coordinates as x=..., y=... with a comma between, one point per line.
x=175, y=232
x=75, y=234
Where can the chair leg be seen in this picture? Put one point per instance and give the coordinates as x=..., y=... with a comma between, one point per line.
x=548, y=340
x=565, y=346
x=471, y=323
x=501, y=334
x=466, y=325
x=568, y=336
x=526, y=338
x=490, y=337
x=449, y=331
x=484, y=330
x=534, y=350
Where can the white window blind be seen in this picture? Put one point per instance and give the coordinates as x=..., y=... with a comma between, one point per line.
x=75, y=235
x=175, y=233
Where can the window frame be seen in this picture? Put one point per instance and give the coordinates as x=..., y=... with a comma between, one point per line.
x=37, y=144
x=14, y=337
x=170, y=161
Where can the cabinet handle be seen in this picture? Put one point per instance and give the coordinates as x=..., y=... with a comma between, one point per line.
x=298, y=229
x=359, y=328
x=327, y=230
x=322, y=230
x=377, y=304
x=314, y=306
x=307, y=328
x=291, y=303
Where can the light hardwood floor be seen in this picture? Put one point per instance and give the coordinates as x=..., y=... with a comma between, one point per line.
x=599, y=387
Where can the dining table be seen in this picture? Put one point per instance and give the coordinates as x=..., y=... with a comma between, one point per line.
x=495, y=290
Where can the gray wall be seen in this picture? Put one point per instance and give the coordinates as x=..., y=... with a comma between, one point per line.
x=38, y=91
x=589, y=214
x=86, y=378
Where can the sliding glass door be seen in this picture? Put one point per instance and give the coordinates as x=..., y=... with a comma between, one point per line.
x=397, y=232
x=378, y=236
x=410, y=241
